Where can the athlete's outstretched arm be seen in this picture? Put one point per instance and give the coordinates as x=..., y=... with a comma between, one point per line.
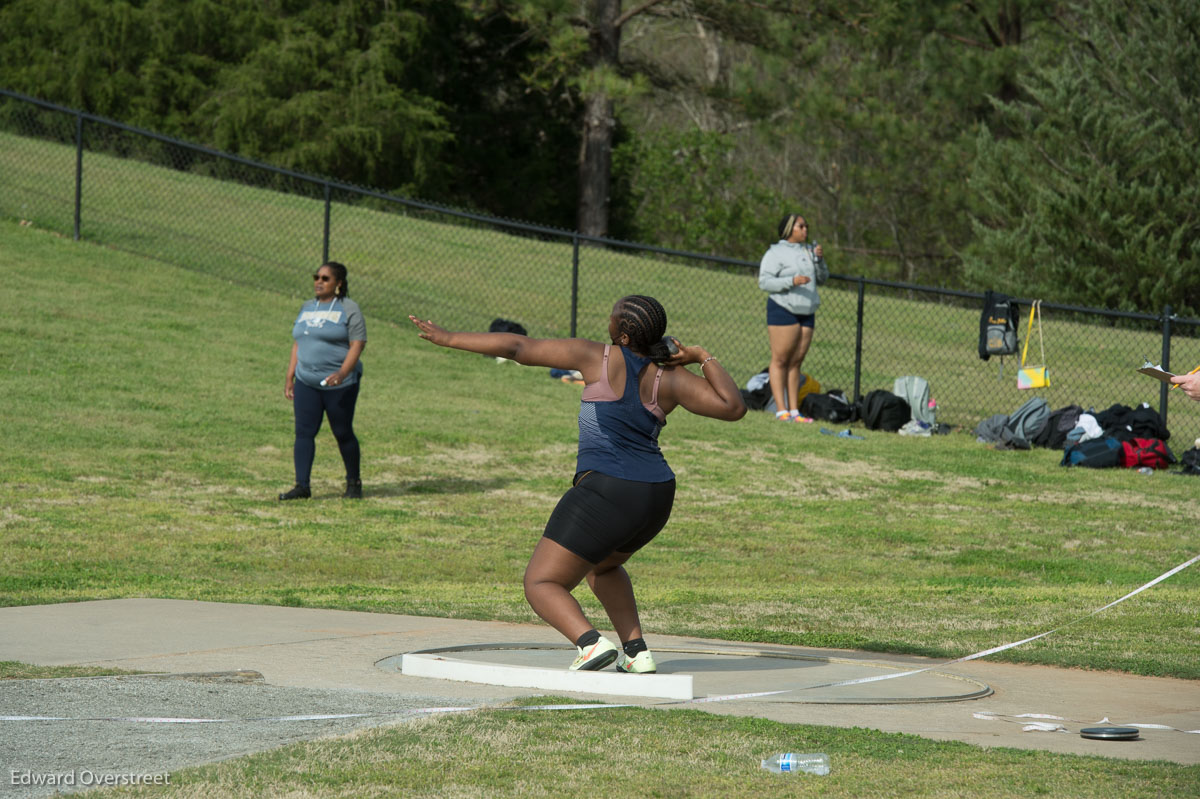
x=557, y=353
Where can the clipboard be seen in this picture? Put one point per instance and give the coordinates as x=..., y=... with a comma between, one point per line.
x=1157, y=372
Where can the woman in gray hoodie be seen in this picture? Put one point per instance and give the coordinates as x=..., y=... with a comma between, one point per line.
x=790, y=272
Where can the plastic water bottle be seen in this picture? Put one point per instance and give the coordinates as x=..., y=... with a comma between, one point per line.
x=1145, y=470
x=815, y=763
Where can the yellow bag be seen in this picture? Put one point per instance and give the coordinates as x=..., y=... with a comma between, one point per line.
x=808, y=385
x=1033, y=376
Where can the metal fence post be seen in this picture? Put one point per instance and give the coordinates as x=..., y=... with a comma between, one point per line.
x=862, y=285
x=1166, y=362
x=574, y=282
x=325, y=246
x=78, y=170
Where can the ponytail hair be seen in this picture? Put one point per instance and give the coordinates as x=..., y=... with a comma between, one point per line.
x=339, y=274
x=660, y=351
x=786, y=224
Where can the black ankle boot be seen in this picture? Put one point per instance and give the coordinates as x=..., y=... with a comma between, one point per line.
x=297, y=492
x=353, y=489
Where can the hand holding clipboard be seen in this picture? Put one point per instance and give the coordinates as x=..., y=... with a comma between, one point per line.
x=1190, y=381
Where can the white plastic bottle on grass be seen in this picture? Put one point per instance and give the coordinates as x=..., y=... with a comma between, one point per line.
x=786, y=763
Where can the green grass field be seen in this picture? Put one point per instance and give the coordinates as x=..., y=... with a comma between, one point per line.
x=150, y=436
x=155, y=435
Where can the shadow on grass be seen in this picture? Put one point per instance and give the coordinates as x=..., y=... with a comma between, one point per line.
x=434, y=485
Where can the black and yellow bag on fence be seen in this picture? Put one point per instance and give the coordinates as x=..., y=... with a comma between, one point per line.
x=1034, y=376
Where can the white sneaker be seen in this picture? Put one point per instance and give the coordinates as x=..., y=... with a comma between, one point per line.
x=596, y=656
x=641, y=663
x=913, y=427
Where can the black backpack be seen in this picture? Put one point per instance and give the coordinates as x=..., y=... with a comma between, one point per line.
x=1061, y=422
x=759, y=398
x=883, y=410
x=833, y=407
x=1190, y=461
x=998, y=325
x=1097, y=453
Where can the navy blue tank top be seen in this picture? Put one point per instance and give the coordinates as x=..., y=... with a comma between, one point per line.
x=618, y=434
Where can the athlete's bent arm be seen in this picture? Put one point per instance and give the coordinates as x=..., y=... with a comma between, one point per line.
x=715, y=394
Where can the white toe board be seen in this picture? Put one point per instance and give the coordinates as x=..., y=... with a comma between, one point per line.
x=658, y=686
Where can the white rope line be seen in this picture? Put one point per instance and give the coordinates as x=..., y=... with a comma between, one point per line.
x=1003, y=647
x=730, y=697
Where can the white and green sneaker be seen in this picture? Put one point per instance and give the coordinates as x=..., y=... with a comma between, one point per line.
x=641, y=663
x=596, y=656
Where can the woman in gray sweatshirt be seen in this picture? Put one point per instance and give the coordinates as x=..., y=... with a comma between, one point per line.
x=790, y=272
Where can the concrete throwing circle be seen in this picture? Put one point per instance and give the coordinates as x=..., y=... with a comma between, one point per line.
x=702, y=671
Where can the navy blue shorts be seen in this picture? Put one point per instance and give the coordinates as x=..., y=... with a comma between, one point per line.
x=600, y=515
x=779, y=316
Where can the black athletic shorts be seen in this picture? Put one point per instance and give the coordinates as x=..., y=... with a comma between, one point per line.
x=600, y=515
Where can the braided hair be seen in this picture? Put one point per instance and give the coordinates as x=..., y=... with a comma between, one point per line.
x=339, y=276
x=644, y=320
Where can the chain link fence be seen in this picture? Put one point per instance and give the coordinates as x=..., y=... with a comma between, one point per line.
x=267, y=227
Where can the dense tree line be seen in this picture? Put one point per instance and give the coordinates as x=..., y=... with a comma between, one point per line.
x=417, y=97
x=1042, y=147
x=1086, y=189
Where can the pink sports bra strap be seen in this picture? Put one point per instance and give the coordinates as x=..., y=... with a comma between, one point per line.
x=652, y=406
x=654, y=392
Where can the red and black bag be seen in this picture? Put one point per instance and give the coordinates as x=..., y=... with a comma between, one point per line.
x=1152, y=452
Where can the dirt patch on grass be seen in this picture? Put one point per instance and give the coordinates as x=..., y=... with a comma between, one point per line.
x=707, y=445
x=1102, y=498
x=8, y=517
x=472, y=455
x=710, y=499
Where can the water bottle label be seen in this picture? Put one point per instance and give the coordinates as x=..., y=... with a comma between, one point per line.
x=787, y=763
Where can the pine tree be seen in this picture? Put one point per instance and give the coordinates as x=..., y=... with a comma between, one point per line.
x=1087, y=191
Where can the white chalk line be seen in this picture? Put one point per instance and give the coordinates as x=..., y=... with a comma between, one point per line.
x=336, y=716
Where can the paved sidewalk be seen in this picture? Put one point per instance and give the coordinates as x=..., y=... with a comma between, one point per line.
x=351, y=658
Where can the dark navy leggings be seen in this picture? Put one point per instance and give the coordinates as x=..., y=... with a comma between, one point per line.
x=310, y=404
